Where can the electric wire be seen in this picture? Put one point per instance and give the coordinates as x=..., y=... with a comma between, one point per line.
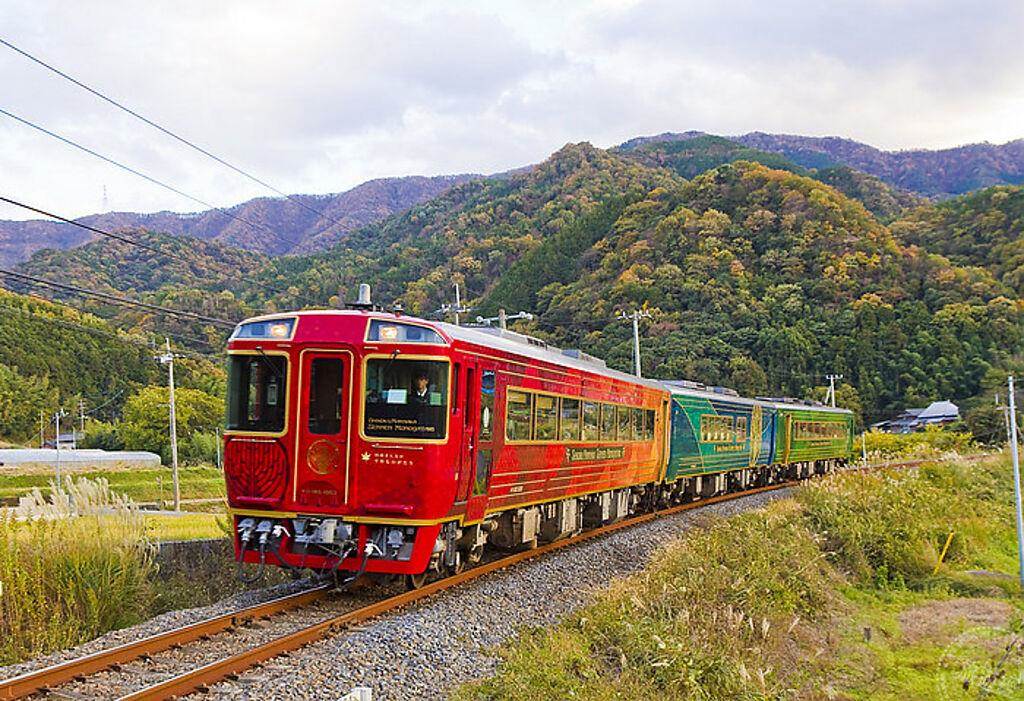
x=167, y=131
x=144, y=176
x=132, y=242
x=117, y=299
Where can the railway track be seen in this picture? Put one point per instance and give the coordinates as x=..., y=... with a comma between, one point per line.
x=323, y=623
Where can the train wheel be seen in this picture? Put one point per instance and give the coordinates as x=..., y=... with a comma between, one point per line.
x=415, y=581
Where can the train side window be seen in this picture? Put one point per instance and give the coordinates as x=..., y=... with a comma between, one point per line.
x=591, y=421
x=625, y=431
x=486, y=405
x=325, y=380
x=637, y=418
x=518, y=412
x=648, y=424
x=607, y=422
x=569, y=426
x=545, y=423
x=741, y=429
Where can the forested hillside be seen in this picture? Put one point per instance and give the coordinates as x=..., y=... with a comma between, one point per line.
x=50, y=352
x=759, y=278
x=699, y=153
x=985, y=228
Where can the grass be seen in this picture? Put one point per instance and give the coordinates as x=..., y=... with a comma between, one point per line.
x=187, y=526
x=82, y=561
x=141, y=485
x=837, y=593
x=67, y=578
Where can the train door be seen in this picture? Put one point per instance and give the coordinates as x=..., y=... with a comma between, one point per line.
x=322, y=455
x=466, y=416
x=482, y=455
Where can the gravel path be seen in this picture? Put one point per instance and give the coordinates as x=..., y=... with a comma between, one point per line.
x=429, y=649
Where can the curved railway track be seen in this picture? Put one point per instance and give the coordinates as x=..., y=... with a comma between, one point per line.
x=197, y=678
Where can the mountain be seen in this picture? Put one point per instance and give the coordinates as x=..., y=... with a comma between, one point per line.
x=929, y=173
x=761, y=278
x=471, y=234
x=984, y=228
x=697, y=153
x=268, y=225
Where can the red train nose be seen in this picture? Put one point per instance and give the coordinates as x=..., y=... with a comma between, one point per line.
x=256, y=470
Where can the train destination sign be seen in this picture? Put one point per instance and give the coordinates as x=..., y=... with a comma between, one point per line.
x=610, y=452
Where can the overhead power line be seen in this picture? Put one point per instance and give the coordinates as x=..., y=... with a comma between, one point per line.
x=167, y=131
x=115, y=298
x=132, y=242
x=144, y=176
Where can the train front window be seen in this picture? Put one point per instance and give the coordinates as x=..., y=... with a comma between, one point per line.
x=325, y=388
x=257, y=387
x=406, y=399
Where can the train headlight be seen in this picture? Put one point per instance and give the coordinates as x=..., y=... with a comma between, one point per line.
x=280, y=330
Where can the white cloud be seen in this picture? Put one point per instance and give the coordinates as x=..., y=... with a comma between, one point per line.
x=317, y=97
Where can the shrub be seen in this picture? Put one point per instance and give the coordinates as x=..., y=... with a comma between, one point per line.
x=931, y=442
x=103, y=436
x=888, y=527
x=199, y=448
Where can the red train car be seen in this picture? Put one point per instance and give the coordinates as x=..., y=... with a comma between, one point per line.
x=360, y=440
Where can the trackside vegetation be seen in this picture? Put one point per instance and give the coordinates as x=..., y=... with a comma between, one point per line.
x=69, y=579
x=81, y=561
x=838, y=592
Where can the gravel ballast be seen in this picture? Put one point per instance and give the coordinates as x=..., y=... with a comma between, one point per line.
x=158, y=624
x=429, y=649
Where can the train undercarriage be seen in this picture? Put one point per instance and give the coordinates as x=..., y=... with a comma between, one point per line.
x=327, y=544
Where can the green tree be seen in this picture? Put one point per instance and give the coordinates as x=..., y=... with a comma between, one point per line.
x=747, y=377
x=146, y=422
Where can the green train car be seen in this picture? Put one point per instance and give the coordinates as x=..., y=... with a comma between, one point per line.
x=719, y=441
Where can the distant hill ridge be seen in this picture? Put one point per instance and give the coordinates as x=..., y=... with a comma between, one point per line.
x=933, y=173
x=299, y=230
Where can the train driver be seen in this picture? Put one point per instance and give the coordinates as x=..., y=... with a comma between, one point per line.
x=420, y=389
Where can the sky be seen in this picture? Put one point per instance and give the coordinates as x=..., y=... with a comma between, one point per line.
x=317, y=97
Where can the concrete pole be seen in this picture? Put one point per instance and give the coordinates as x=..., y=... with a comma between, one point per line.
x=458, y=303
x=1016, y=482
x=56, y=420
x=174, y=427
x=502, y=320
x=636, y=342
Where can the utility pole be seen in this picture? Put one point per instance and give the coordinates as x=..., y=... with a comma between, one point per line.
x=1016, y=481
x=42, y=429
x=56, y=420
x=457, y=308
x=168, y=360
x=81, y=417
x=636, y=316
x=832, y=388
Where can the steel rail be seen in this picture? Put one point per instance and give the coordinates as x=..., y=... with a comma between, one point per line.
x=48, y=677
